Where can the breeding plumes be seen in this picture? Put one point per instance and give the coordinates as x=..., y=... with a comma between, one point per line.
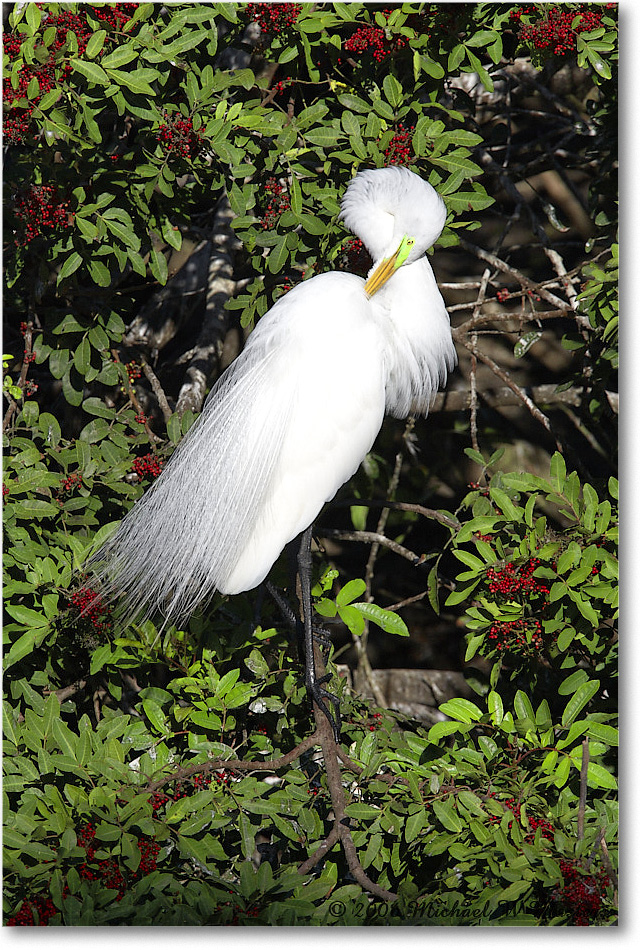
x=295, y=414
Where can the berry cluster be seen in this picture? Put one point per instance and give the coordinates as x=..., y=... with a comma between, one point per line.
x=252, y=911
x=582, y=893
x=38, y=907
x=503, y=295
x=178, y=137
x=279, y=87
x=512, y=804
x=107, y=870
x=377, y=722
x=134, y=372
x=69, y=483
x=356, y=257
x=278, y=201
x=510, y=581
x=114, y=16
x=373, y=40
x=399, y=150
x=49, y=67
x=91, y=608
x=5, y=491
x=517, y=636
x=40, y=208
x=275, y=17
x=147, y=465
x=555, y=33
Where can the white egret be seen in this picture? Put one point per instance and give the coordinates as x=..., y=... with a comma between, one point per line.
x=294, y=415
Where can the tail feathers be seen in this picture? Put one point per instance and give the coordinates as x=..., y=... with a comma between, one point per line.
x=182, y=540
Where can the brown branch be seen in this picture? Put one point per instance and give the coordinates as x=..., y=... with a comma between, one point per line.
x=341, y=827
x=524, y=281
x=458, y=400
x=236, y=765
x=134, y=400
x=610, y=870
x=371, y=537
x=361, y=643
x=326, y=846
x=581, y=810
x=22, y=380
x=528, y=402
x=157, y=389
x=491, y=318
x=431, y=513
x=560, y=269
x=221, y=285
x=473, y=361
x=66, y=691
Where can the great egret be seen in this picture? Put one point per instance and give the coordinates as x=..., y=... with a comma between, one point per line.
x=294, y=415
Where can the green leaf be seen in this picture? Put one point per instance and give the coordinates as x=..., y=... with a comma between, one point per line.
x=278, y=255
x=21, y=648
x=354, y=103
x=156, y=716
x=461, y=709
x=158, y=266
x=441, y=729
x=495, y=707
x=350, y=591
x=523, y=707
x=120, y=56
x=578, y=701
x=96, y=43
x=445, y=812
x=388, y=620
x=26, y=616
x=82, y=356
x=415, y=825
x=350, y=124
x=603, y=733
x=393, y=90
x=136, y=80
x=71, y=265
x=92, y=71
x=558, y=471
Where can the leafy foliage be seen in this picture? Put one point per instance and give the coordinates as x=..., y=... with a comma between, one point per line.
x=126, y=123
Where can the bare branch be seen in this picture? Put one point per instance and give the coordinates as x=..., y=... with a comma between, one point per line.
x=220, y=287
x=524, y=281
x=157, y=389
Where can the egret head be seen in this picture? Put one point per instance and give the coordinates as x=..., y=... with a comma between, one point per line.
x=397, y=215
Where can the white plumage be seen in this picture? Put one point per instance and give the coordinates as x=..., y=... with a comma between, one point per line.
x=293, y=417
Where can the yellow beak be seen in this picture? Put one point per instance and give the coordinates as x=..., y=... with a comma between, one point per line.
x=388, y=266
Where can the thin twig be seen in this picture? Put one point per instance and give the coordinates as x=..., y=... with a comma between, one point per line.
x=473, y=361
x=431, y=513
x=236, y=765
x=521, y=278
x=370, y=537
x=361, y=643
x=581, y=810
x=26, y=362
x=528, y=402
x=158, y=391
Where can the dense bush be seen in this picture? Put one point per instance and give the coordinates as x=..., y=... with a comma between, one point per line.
x=135, y=787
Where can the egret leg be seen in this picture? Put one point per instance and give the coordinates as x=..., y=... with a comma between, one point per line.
x=320, y=634
x=314, y=684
